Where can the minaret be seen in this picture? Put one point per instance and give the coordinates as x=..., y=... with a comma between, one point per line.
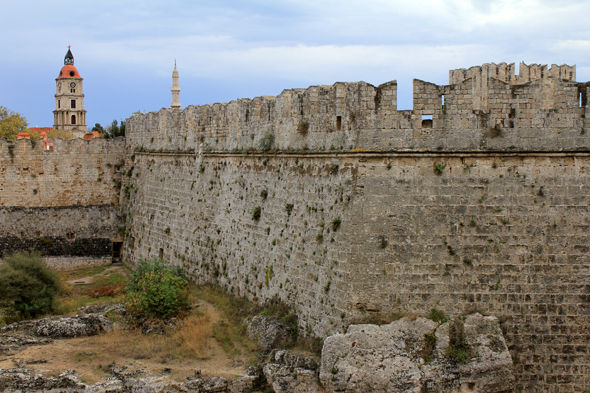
x=69, y=113
x=175, y=89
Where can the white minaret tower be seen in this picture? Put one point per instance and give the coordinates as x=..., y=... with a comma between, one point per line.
x=175, y=89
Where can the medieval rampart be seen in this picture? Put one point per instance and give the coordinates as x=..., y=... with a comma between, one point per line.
x=61, y=202
x=475, y=200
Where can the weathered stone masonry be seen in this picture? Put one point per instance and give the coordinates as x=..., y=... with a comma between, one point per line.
x=61, y=202
x=476, y=200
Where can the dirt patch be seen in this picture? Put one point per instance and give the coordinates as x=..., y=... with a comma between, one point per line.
x=174, y=356
x=89, y=356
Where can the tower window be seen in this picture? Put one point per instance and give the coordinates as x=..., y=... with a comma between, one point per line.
x=72, y=90
x=338, y=123
x=73, y=103
x=72, y=73
x=73, y=119
x=58, y=104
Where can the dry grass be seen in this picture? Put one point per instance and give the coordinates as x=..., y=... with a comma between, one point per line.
x=188, y=340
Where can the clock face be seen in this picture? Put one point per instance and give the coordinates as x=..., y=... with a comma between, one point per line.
x=72, y=84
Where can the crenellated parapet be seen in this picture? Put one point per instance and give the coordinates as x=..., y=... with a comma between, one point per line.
x=484, y=107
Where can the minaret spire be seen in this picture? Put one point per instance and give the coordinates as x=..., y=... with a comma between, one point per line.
x=175, y=89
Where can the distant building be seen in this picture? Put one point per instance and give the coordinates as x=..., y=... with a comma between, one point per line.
x=69, y=113
x=175, y=89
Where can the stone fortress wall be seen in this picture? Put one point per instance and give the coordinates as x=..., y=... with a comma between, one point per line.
x=61, y=202
x=475, y=200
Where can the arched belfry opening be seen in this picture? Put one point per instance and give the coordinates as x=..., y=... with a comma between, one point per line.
x=73, y=119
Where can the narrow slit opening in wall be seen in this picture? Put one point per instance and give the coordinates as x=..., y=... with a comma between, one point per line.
x=161, y=253
x=116, y=251
x=442, y=101
x=426, y=121
x=338, y=123
x=581, y=98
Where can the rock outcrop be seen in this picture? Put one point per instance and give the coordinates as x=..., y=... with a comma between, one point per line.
x=288, y=372
x=270, y=332
x=76, y=326
x=22, y=380
x=12, y=343
x=418, y=355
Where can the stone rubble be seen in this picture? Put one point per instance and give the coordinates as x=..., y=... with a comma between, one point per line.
x=76, y=326
x=270, y=332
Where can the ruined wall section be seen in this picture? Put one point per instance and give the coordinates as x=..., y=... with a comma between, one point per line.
x=65, y=231
x=75, y=172
x=63, y=202
x=199, y=215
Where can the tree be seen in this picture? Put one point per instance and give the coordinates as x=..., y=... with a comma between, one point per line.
x=113, y=130
x=98, y=127
x=28, y=288
x=11, y=123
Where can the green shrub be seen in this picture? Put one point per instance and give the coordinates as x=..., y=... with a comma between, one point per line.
x=336, y=224
x=265, y=143
x=28, y=288
x=438, y=315
x=256, y=212
x=157, y=290
x=439, y=168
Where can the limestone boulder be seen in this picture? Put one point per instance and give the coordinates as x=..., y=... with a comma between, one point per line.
x=76, y=326
x=269, y=332
x=371, y=358
x=419, y=355
x=488, y=365
x=287, y=372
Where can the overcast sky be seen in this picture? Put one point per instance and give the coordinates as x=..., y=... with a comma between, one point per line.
x=125, y=50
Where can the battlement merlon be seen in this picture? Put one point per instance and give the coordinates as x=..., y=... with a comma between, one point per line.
x=506, y=73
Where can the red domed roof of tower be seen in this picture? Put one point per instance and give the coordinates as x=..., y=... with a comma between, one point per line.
x=68, y=70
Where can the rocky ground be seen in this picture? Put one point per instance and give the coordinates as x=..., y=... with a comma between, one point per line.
x=73, y=352
x=93, y=351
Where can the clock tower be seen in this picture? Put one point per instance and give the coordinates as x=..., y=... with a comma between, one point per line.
x=69, y=113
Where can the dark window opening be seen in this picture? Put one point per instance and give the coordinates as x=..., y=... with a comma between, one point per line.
x=58, y=104
x=73, y=119
x=72, y=73
x=71, y=236
x=161, y=253
x=338, y=123
x=73, y=104
x=426, y=121
x=116, y=252
x=582, y=98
